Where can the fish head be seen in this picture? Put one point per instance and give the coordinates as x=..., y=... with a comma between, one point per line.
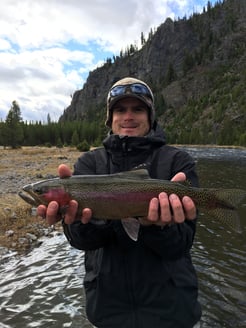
x=45, y=192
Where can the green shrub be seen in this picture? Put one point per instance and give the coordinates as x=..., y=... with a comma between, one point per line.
x=83, y=146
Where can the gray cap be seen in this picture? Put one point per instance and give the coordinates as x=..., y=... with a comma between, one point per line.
x=147, y=99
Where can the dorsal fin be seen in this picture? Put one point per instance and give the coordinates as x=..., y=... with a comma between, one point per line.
x=134, y=174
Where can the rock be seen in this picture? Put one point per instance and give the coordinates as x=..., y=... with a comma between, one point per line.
x=10, y=213
x=62, y=157
x=34, y=211
x=47, y=231
x=3, y=251
x=23, y=240
x=9, y=233
x=31, y=236
x=50, y=176
x=13, y=216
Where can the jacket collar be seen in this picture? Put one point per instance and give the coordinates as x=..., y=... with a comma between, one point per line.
x=154, y=139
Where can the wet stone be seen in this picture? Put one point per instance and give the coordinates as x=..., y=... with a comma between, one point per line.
x=31, y=236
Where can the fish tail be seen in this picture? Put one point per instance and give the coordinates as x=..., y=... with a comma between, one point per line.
x=227, y=217
x=229, y=198
x=227, y=202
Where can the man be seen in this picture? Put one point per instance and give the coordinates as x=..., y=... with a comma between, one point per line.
x=150, y=282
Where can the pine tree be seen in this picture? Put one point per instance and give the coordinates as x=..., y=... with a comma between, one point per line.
x=13, y=133
x=75, y=138
x=48, y=119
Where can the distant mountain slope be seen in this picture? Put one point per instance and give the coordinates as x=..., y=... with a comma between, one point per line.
x=197, y=69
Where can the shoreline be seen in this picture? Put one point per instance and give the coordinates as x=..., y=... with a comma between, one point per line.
x=209, y=146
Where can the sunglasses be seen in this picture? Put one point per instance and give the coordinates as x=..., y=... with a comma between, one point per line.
x=136, y=88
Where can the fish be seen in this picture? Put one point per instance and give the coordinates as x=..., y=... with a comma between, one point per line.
x=126, y=195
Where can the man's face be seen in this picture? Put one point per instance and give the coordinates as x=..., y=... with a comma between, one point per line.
x=130, y=117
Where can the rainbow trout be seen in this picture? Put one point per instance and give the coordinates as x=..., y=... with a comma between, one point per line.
x=126, y=195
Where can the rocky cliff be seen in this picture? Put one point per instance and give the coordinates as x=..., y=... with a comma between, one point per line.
x=196, y=67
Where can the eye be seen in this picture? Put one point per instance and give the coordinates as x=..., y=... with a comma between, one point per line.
x=119, y=110
x=140, y=109
x=38, y=190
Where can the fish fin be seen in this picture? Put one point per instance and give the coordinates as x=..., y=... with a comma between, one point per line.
x=230, y=198
x=226, y=203
x=228, y=217
x=186, y=183
x=131, y=227
x=134, y=174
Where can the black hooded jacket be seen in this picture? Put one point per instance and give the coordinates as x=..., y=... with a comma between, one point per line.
x=150, y=282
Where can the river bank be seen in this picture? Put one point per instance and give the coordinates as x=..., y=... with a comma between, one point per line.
x=20, y=229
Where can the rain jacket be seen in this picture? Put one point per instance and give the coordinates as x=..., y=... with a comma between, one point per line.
x=150, y=283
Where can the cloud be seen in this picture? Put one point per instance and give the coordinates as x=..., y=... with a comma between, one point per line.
x=36, y=78
x=48, y=47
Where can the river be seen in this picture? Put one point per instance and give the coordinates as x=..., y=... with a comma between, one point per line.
x=44, y=287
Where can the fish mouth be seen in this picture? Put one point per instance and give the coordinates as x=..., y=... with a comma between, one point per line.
x=28, y=195
x=28, y=198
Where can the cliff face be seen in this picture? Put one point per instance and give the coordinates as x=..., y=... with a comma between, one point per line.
x=193, y=65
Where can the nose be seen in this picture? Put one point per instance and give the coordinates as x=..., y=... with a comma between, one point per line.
x=128, y=115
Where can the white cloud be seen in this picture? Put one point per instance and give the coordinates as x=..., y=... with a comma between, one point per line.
x=48, y=47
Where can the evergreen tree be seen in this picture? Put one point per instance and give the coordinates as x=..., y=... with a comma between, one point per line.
x=48, y=119
x=2, y=134
x=143, y=41
x=13, y=133
x=75, y=138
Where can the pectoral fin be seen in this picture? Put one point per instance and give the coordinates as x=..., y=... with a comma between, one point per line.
x=131, y=227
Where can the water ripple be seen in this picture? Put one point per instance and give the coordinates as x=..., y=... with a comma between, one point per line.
x=43, y=288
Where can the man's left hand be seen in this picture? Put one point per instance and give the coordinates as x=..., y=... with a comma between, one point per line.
x=166, y=210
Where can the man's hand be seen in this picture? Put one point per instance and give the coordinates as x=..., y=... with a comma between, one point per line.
x=166, y=210
x=51, y=212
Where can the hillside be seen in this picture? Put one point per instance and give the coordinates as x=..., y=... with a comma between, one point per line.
x=196, y=67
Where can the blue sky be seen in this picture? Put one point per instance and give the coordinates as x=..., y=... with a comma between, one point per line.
x=48, y=47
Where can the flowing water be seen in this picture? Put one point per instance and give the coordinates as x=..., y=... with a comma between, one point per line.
x=44, y=287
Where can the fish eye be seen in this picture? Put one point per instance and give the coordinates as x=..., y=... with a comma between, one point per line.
x=37, y=190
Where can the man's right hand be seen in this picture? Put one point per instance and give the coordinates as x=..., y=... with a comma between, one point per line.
x=51, y=214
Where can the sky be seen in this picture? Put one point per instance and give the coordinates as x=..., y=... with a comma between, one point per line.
x=48, y=47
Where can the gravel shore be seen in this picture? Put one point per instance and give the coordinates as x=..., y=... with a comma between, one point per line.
x=20, y=230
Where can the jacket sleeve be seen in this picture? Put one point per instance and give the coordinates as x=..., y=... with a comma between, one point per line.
x=170, y=242
x=173, y=242
x=88, y=236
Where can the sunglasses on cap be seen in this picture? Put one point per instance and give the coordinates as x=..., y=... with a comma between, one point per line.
x=135, y=88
